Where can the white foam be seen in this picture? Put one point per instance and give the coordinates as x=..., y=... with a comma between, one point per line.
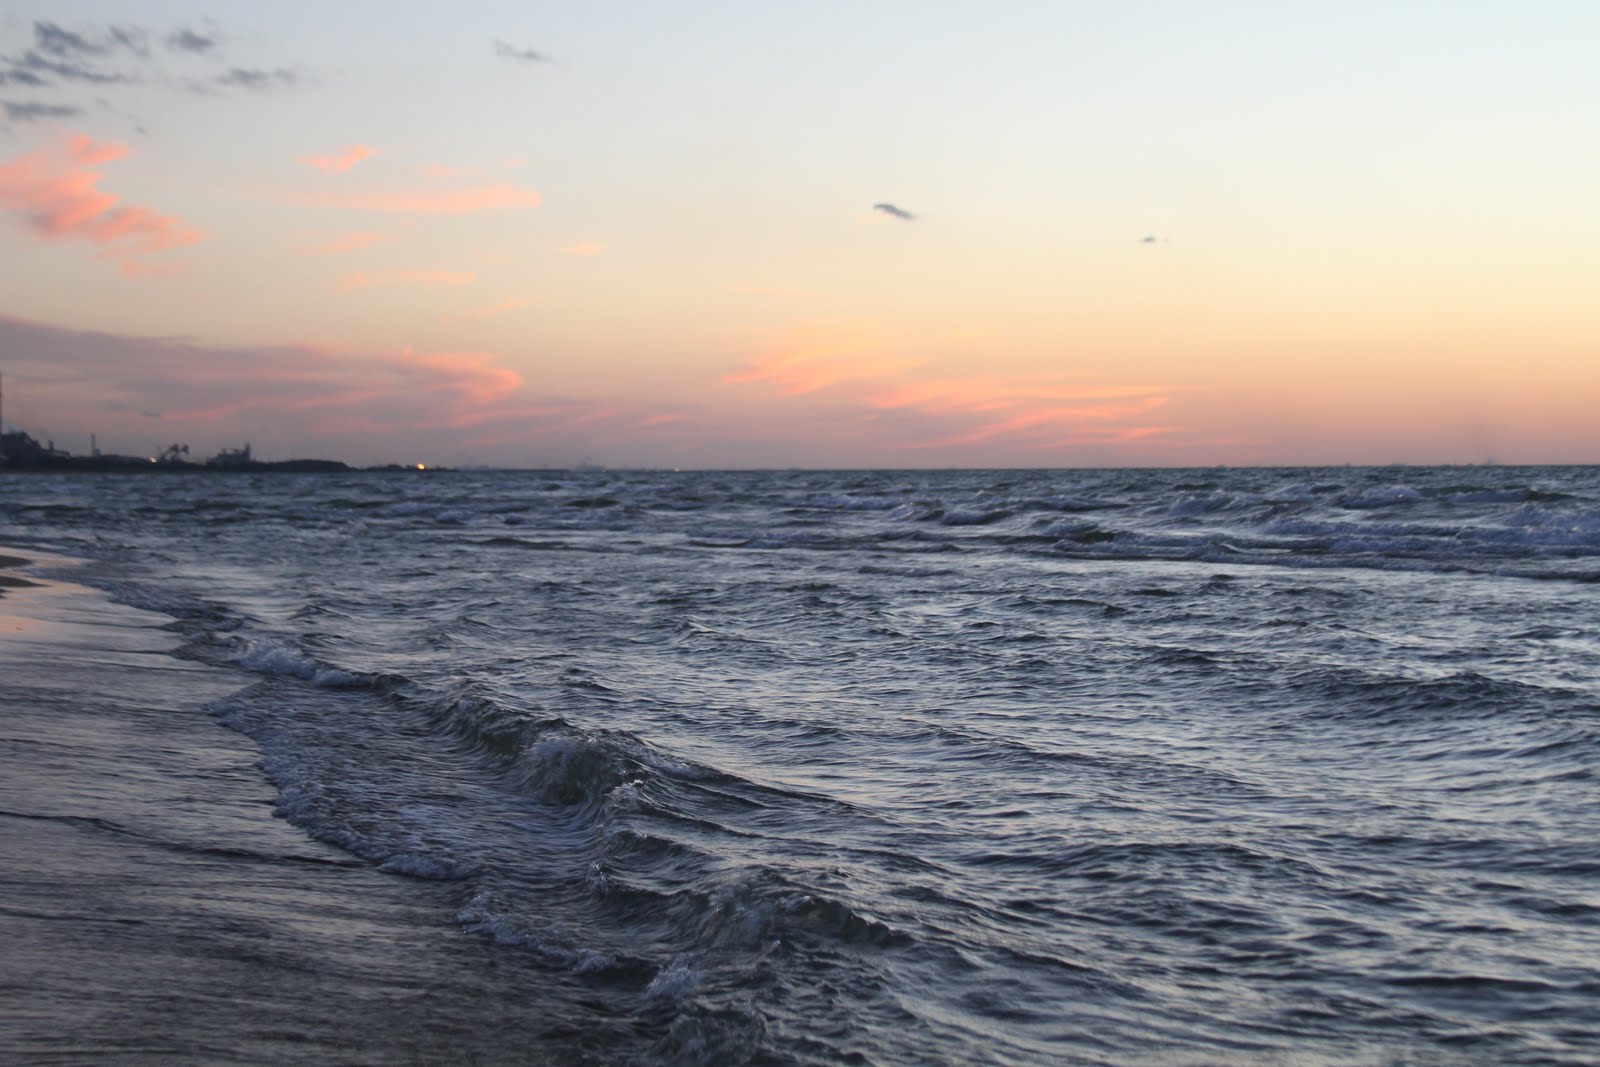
x=624, y=797
x=271, y=657
x=675, y=981
x=485, y=914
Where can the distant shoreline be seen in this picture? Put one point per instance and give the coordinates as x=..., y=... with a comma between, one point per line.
x=134, y=465
x=288, y=466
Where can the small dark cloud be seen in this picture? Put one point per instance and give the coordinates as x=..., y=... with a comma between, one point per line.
x=896, y=212
x=18, y=76
x=257, y=80
x=55, y=40
x=187, y=40
x=132, y=38
x=34, y=65
x=98, y=55
x=33, y=111
x=521, y=55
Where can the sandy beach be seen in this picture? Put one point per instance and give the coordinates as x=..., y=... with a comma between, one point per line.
x=153, y=908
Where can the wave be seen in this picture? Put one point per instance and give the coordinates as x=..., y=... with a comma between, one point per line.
x=1348, y=693
x=266, y=656
x=889, y=767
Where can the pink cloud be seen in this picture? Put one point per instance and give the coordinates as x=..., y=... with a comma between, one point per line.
x=817, y=358
x=138, y=389
x=1031, y=422
x=499, y=196
x=991, y=394
x=588, y=248
x=340, y=163
x=853, y=369
x=55, y=191
x=470, y=374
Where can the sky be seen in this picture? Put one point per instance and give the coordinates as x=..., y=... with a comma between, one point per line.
x=731, y=234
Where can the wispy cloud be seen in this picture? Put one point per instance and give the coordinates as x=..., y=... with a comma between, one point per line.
x=343, y=161
x=22, y=76
x=311, y=399
x=34, y=68
x=586, y=248
x=894, y=212
x=224, y=392
x=65, y=55
x=259, y=80
x=471, y=375
x=849, y=366
x=53, y=39
x=116, y=55
x=814, y=358
x=34, y=111
x=188, y=40
x=1041, y=425
x=499, y=196
x=55, y=192
x=521, y=55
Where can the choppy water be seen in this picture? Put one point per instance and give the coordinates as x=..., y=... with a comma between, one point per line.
x=889, y=767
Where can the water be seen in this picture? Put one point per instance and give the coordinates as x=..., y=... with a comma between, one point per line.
x=906, y=767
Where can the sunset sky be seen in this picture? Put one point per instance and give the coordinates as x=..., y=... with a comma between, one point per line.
x=526, y=234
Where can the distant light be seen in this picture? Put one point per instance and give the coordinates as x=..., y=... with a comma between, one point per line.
x=152, y=459
x=422, y=466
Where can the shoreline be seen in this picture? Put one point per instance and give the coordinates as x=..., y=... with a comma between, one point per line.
x=156, y=910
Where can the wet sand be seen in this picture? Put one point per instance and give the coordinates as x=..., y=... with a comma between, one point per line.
x=152, y=908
